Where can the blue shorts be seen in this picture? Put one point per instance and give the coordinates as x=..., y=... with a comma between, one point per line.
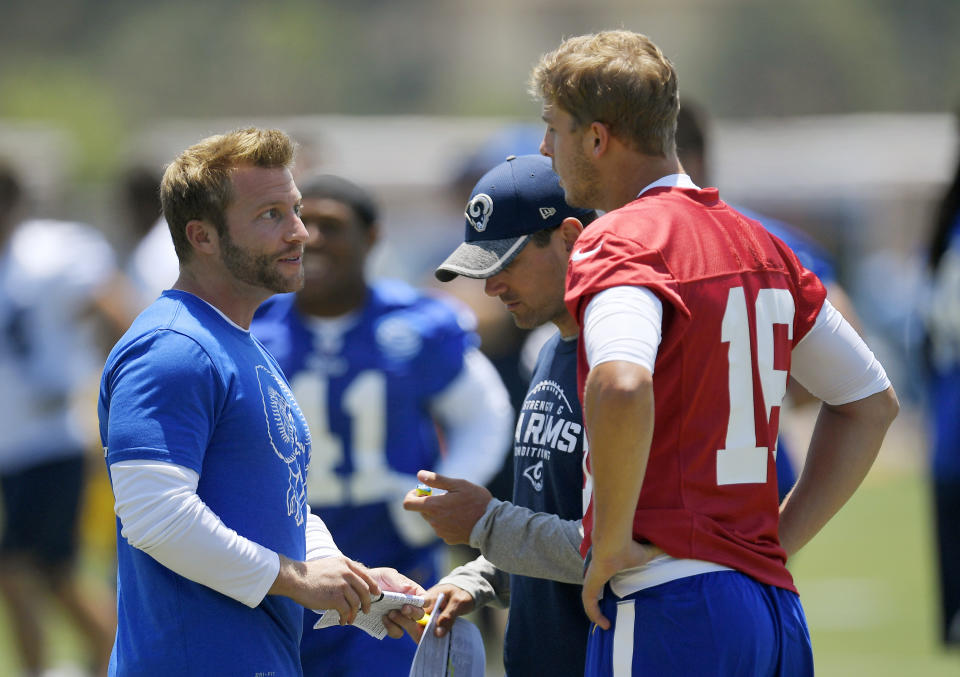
x=41, y=508
x=721, y=623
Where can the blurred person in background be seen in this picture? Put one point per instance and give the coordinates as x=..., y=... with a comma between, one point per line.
x=692, y=317
x=52, y=279
x=390, y=381
x=693, y=151
x=519, y=233
x=943, y=362
x=206, y=446
x=152, y=265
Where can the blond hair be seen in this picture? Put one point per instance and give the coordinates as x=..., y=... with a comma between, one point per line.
x=197, y=184
x=619, y=78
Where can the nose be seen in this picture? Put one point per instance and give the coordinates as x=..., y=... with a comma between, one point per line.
x=546, y=146
x=298, y=231
x=494, y=286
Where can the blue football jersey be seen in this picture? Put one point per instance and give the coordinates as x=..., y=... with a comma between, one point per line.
x=547, y=629
x=365, y=389
x=943, y=334
x=366, y=394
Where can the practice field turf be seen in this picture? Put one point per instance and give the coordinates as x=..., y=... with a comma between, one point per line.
x=867, y=582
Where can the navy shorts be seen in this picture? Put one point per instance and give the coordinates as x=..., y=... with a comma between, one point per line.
x=41, y=507
x=720, y=623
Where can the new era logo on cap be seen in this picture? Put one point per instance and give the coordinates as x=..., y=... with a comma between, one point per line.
x=547, y=212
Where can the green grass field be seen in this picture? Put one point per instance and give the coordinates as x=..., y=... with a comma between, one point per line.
x=867, y=584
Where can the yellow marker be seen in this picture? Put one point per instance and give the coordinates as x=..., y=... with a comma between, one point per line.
x=423, y=489
x=425, y=619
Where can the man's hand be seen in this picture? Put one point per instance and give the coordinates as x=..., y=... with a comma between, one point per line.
x=453, y=514
x=330, y=583
x=603, y=567
x=396, y=622
x=456, y=602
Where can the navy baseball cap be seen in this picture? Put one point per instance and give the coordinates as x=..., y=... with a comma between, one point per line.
x=516, y=198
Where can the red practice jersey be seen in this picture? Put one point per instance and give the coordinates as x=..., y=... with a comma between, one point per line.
x=735, y=302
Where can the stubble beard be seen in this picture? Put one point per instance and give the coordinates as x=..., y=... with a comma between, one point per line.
x=584, y=191
x=257, y=270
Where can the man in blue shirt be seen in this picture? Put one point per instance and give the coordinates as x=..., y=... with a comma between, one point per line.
x=207, y=449
x=943, y=362
x=519, y=234
x=377, y=367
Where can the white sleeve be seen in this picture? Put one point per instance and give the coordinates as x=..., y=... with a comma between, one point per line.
x=476, y=416
x=319, y=540
x=623, y=323
x=161, y=514
x=834, y=364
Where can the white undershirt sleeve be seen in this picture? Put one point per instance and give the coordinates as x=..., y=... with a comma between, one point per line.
x=623, y=324
x=162, y=515
x=319, y=540
x=834, y=364
x=476, y=416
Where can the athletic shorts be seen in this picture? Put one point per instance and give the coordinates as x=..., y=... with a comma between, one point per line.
x=720, y=623
x=41, y=507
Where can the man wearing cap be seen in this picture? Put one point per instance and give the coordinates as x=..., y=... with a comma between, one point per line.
x=530, y=547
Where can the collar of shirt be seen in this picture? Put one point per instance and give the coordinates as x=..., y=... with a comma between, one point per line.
x=671, y=181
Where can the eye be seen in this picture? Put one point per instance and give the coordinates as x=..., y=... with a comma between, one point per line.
x=271, y=213
x=298, y=210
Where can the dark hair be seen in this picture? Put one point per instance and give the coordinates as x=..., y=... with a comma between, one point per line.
x=541, y=238
x=948, y=209
x=691, y=129
x=10, y=191
x=339, y=189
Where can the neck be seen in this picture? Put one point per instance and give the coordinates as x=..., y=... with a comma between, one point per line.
x=235, y=299
x=333, y=305
x=630, y=173
x=566, y=324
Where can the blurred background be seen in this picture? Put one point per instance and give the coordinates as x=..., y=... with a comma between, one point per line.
x=834, y=115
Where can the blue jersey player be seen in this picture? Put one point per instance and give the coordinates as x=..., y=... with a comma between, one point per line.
x=519, y=233
x=389, y=381
x=943, y=356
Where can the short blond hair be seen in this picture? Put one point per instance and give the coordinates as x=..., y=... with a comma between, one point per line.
x=619, y=78
x=197, y=184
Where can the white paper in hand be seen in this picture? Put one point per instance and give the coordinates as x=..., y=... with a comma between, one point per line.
x=460, y=652
x=372, y=623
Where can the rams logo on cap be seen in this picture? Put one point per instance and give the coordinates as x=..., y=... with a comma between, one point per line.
x=478, y=211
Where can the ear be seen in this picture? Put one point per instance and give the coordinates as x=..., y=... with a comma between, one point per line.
x=598, y=137
x=570, y=230
x=203, y=236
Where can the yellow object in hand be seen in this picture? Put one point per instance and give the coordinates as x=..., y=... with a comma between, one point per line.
x=426, y=619
x=423, y=489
